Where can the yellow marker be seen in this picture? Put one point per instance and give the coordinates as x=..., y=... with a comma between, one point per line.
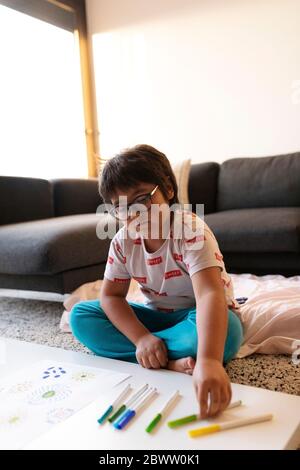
x=229, y=425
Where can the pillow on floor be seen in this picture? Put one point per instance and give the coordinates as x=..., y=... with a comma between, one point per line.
x=182, y=173
x=271, y=314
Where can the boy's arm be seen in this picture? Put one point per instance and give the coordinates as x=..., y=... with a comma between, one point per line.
x=151, y=352
x=114, y=290
x=212, y=313
x=210, y=377
x=114, y=303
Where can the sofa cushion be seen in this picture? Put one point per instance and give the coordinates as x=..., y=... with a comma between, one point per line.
x=203, y=184
x=267, y=230
x=75, y=196
x=259, y=182
x=53, y=245
x=23, y=199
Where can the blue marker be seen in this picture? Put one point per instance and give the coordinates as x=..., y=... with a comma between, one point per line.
x=131, y=412
x=241, y=300
x=113, y=405
x=128, y=403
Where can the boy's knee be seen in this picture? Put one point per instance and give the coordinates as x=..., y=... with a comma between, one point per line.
x=82, y=312
x=75, y=316
x=234, y=338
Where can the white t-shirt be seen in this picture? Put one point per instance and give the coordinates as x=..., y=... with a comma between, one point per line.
x=164, y=277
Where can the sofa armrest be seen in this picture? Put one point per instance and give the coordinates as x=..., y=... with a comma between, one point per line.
x=75, y=196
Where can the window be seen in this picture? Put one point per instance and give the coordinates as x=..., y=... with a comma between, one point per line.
x=42, y=121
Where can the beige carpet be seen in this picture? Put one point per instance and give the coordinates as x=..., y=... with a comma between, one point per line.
x=38, y=321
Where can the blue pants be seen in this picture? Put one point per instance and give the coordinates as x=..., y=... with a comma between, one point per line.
x=91, y=326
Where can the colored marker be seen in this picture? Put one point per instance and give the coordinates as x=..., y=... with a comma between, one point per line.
x=229, y=425
x=127, y=404
x=133, y=404
x=113, y=405
x=196, y=417
x=162, y=413
x=131, y=412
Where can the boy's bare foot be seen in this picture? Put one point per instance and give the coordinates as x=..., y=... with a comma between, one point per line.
x=184, y=364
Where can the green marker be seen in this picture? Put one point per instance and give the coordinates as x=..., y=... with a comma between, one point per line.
x=161, y=414
x=111, y=407
x=127, y=404
x=196, y=417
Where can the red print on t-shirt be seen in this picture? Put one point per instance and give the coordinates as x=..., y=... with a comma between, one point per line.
x=152, y=261
x=120, y=279
x=152, y=291
x=142, y=280
x=110, y=260
x=196, y=238
x=218, y=256
x=160, y=293
x=137, y=241
x=173, y=273
x=177, y=257
x=118, y=247
x=148, y=291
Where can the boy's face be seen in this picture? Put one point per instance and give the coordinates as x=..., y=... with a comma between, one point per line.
x=135, y=196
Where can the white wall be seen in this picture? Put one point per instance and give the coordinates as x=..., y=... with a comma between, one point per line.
x=204, y=79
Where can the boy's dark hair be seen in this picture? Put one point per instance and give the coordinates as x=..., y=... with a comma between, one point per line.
x=141, y=163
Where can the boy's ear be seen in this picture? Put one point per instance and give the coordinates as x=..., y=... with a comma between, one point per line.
x=171, y=193
x=170, y=189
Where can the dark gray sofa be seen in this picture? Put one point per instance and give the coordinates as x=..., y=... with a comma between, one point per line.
x=48, y=236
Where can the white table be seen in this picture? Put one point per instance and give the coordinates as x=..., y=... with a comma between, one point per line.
x=81, y=430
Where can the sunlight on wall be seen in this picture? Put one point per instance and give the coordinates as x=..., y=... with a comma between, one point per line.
x=207, y=80
x=123, y=89
x=41, y=112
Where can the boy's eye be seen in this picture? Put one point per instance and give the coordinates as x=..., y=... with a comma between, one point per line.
x=140, y=199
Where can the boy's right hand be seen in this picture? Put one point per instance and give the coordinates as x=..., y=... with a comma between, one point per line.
x=151, y=352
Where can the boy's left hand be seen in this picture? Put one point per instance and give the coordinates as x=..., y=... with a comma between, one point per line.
x=210, y=377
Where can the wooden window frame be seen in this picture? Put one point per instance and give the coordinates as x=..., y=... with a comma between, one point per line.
x=60, y=19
